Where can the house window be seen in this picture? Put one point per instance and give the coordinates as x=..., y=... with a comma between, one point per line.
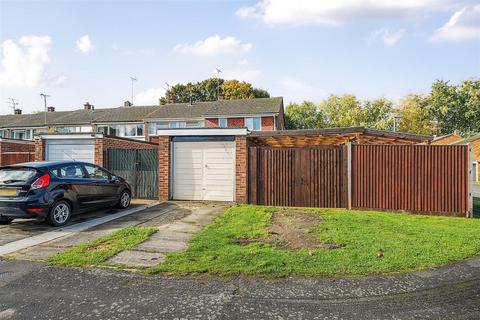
x=69, y=129
x=22, y=134
x=253, y=124
x=133, y=130
x=177, y=124
x=152, y=129
x=2, y=133
x=257, y=124
x=222, y=123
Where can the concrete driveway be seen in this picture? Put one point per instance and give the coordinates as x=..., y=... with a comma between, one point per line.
x=21, y=229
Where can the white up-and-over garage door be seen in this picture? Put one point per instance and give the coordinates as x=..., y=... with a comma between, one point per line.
x=204, y=170
x=70, y=149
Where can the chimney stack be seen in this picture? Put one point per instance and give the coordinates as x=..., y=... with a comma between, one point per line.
x=127, y=104
x=51, y=109
x=18, y=111
x=88, y=106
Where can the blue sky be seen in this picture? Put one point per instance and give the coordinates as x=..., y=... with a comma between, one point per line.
x=302, y=50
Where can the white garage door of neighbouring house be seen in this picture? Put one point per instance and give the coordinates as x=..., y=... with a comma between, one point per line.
x=204, y=170
x=74, y=149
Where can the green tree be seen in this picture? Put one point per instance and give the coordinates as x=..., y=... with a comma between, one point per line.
x=377, y=114
x=342, y=111
x=455, y=107
x=414, y=116
x=302, y=116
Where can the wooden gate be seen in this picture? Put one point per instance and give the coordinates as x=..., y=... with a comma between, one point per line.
x=138, y=166
x=300, y=177
x=8, y=158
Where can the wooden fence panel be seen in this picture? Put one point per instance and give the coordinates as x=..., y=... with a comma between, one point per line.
x=419, y=178
x=301, y=177
x=8, y=158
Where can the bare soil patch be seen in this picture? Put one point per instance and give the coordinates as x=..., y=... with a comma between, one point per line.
x=293, y=230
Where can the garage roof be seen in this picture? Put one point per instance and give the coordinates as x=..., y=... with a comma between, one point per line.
x=334, y=136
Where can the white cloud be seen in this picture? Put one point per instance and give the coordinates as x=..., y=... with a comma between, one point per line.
x=390, y=38
x=300, y=12
x=297, y=90
x=24, y=63
x=149, y=97
x=464, y=24
x=214, y=45
x=84, y=44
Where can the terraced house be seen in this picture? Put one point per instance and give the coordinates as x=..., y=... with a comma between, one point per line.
x=143, y=122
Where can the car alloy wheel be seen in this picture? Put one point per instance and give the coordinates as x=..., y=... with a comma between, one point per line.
x=125, y=199
x=59, y=214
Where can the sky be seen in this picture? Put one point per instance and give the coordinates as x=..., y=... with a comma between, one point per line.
x=79, y=51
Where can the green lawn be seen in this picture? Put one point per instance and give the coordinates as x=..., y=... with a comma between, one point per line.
x=98, y=251
x=408, y=242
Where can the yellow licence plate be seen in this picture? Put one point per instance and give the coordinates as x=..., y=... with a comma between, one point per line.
x=8, y=192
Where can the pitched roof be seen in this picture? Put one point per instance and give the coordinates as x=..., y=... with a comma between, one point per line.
x=468, y=140
x=140, y=113
x=218, y=108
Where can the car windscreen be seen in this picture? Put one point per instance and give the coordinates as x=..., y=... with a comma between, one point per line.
x=16, y=175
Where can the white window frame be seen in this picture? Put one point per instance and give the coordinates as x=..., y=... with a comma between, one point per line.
x=250, y=123
x=220, y=122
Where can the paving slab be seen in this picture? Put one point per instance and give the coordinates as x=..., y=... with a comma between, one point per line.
x=162, y=245
x=173, y=234
x=182, y=227
x=137, y=258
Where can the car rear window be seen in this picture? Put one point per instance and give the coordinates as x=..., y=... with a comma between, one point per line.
x=15, y=175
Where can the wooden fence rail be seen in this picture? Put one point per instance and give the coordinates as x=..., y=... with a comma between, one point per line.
x=415, y=178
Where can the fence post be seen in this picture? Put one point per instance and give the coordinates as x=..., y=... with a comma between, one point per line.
x=470, y=182
x=349, y=175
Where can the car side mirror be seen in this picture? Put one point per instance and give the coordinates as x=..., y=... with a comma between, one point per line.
x=113, y=178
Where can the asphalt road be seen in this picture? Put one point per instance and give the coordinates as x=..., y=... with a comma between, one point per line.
x=36, y=291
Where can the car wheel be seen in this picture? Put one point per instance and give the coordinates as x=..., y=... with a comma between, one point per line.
x=5, y=220
x=125, y=199
x=60, y=214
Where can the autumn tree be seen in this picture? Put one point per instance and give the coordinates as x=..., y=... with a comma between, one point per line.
x=207, y=90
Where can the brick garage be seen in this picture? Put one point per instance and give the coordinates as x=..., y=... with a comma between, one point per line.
x=178, y=147
x=16, y=151
x=95, y=144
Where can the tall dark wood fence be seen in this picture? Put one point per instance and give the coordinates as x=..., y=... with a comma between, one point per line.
x=415, y=178
x=16, y=157
x=300, y=177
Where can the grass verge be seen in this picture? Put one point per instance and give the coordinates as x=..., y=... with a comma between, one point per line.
x=371, y=243
x=99, y=250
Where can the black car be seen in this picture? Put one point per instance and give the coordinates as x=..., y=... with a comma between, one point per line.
x=53, y=190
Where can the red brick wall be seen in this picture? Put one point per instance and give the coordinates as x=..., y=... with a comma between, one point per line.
x=164, y=168
x=268, y=124
x=23, y=152
x=145, y=131
x=211, y=123
x=102, y=144
x=235, y=122
x=39, y=149
x=241, y=169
